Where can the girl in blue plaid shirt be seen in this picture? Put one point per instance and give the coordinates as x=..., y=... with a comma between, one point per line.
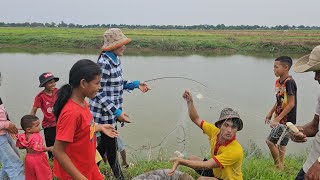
x=106, y=107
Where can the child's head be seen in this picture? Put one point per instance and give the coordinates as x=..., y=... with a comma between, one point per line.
x=48, y=81
x=115, y=41
x=30, y=124
x=84, y=77
x=282, y=65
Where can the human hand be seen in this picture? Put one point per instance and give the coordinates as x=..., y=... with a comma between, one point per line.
x=13, y=136
x=187, y=96
x=274, y=123
x=143, y=87
x=313, y=172
x=298, y=137
x=12, y=128
x=176, y=163
x=108, y=130
x=124, y=117
x=49, y=148
x=268, y=118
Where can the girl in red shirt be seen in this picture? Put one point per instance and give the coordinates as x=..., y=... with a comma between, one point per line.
x=75, y=146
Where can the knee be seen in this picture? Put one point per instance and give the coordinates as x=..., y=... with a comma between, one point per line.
x=268, y=142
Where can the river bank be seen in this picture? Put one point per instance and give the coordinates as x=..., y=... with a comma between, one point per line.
x=149, y=41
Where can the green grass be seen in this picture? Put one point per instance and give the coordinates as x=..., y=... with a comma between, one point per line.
x=255, y=167
x=146, y=40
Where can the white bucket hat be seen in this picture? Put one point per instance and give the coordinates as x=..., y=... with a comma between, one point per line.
x=310, y=62
x=113, y=39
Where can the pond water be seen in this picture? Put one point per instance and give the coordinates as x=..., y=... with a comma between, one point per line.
x=159, y=117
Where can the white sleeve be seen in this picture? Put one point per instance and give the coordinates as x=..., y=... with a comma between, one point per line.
x=318, y=106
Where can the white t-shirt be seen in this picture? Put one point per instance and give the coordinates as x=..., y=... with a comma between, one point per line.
x=315, y=149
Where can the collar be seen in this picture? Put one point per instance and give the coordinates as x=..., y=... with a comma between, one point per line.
x=113, y=57
x=217, y=146
x=287, y=78
x=227, y=142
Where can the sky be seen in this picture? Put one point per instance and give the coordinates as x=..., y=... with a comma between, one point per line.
x=163, y=12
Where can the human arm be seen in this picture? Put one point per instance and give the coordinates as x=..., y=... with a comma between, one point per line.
x=308, y=130
x=313, y=172
x=34, y=111
x=6, y=124
x=193, y=114
x=64, y=160
x=136, y=84
x=211, y=163
x=269, y=115
x=285, y=111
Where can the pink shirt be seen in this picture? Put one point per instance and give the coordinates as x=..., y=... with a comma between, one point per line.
x=4, y=122
x=35, y=142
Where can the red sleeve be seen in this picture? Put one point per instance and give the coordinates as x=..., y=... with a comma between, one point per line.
x=37, y=101
x=67, y=125
x=218, y=162
x=201, y=124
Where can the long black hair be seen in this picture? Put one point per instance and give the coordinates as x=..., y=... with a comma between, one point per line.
x=82, y=69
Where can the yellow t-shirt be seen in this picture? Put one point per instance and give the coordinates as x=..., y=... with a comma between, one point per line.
x=229, y=156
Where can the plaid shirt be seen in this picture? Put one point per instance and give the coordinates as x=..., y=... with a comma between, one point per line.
x=109, y=98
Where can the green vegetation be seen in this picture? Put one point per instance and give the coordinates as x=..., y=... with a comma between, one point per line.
x=256, y=167
x=89, y=40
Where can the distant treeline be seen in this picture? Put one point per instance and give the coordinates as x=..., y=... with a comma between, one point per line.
x=197, y=27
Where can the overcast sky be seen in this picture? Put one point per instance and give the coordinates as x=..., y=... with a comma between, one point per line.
x=164, y=12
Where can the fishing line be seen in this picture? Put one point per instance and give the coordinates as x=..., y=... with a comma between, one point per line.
x=176, y=77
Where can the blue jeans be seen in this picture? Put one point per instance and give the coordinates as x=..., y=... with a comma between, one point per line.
x=12, y=166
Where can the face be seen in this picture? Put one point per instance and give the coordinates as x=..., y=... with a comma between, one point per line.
x=317, y=76
x=91, y=88
x=279, y=69
x=228, y=130
x=120, y=50
x=50, y=85
x=35, y=127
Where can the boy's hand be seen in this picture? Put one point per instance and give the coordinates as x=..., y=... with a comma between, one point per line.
x=124, y=118
x=108, y=130
x=267, y=121
x=268, y=118
x=176, y=163
x=274, y=124
x=187, y=96
x=12, y=129
x=144, y=87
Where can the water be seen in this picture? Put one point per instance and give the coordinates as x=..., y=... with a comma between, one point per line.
x=244, y=83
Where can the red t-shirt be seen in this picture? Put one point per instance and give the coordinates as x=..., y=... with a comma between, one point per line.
x=45, y=102
x=76, y=126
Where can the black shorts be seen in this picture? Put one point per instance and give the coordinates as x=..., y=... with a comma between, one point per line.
x=206, y=172
x=275, y=134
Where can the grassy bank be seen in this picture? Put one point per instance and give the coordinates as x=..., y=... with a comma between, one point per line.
x=259, y=167
x=149, y=40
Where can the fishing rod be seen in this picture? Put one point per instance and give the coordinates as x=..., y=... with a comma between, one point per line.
x=176, y=77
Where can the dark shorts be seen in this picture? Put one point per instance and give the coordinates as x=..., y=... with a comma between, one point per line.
x=300, y=175
x=275, y=134
x=206, y=172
